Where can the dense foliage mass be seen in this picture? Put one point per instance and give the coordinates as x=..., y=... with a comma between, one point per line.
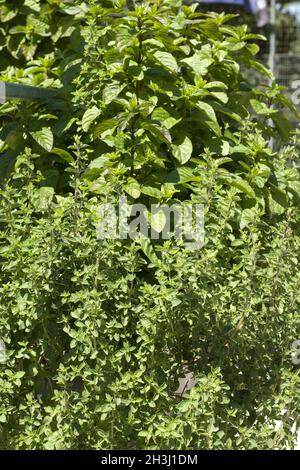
x=157, y=106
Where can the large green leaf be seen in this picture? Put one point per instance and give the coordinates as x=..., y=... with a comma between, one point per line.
x=217, y=145
x=132, y=187
x=105, y=126
x=164, y=117
x=248, y=217
x=89, y=116
x=199, y=62
x=283, y=125
x=243, y=186
x=209, y=116
x=167, y=60
x=159, y=131
x=220, y=95
x=63, y=154
x=7, y=161
x=14, y=139
x=42, y=198
x=33, y=5
x=112, y=91
x=181, y=175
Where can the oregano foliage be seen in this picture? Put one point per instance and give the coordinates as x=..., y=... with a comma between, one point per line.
x=97, y=333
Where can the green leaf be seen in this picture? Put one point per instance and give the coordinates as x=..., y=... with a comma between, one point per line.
x=19, y=374
x=152, y=192
x=123, y=39
x=261, y=108
x=279, y=196
x=183, y=152
x=237, y=182
x=89, y=116
x=99, y=162
x=149, y=251
x=181, y=175
x=42, y=198
x=228, y=111
x=223, y=160
x=243, y=186
x=33, y=5
x=199, y=62
x=220, y=95
x=162, y=115
x=44, y=138
x=132, y=187
x=80, y=10
x=63, y=154
x=18, y=30
x=209, y=116
x=7, y=161
x=103, y=127
x=217, y=145
x=215, y=84
x=167, y=60
x=40, y=28
x=158, y=220
x=159, y=131
x=240, y=149
x=112, y=91
x=146, y=107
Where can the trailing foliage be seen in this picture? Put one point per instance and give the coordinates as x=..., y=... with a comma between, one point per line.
x=99, y=332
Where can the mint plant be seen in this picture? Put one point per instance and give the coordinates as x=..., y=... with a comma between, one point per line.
x=98, y=332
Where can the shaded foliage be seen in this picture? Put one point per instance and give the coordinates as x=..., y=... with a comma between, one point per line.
x=98, y=332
